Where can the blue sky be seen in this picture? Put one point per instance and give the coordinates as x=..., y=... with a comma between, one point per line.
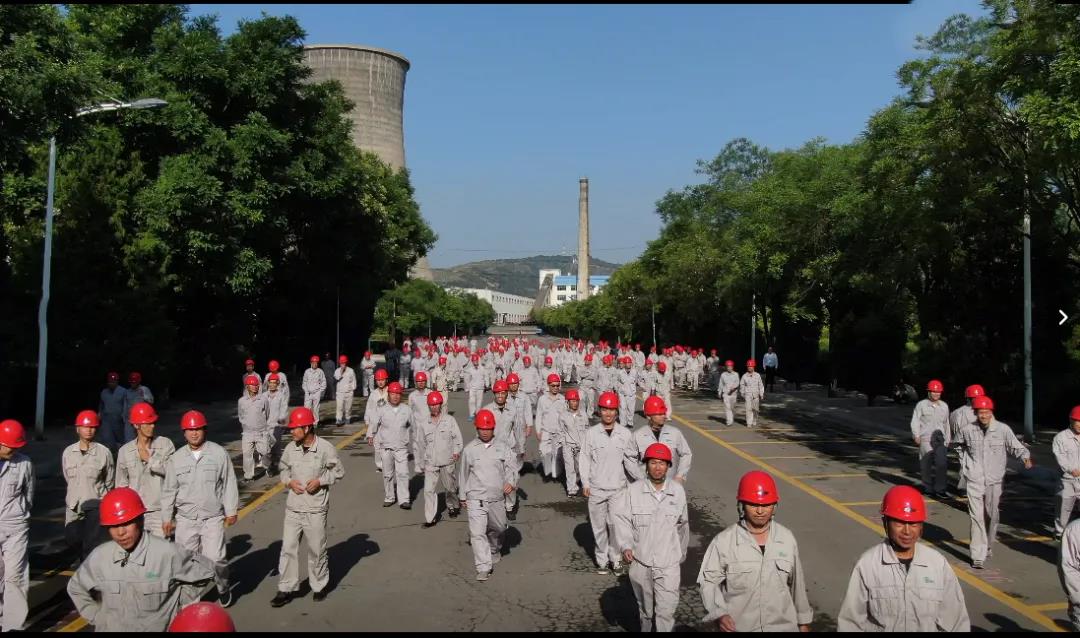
x=507, y=106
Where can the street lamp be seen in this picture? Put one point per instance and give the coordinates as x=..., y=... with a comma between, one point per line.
x=46, y=273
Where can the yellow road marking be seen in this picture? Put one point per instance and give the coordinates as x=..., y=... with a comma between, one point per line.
x=1020, y=607
x=80, y=622
x=805, y=458
x=797, y=441
x=823, y=476
x=1051, y=607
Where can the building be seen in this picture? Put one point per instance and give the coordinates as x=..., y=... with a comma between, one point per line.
x=564, y=287
x=508, y=308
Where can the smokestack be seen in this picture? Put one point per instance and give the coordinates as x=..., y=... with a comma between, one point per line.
x=583, y=239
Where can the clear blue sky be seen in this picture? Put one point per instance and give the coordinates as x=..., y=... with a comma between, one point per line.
x=507, y=106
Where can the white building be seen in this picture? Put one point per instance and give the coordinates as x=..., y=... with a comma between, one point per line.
x=564, y=287
x=508, y=308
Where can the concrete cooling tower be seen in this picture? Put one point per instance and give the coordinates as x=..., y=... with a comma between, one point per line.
x=374, y=80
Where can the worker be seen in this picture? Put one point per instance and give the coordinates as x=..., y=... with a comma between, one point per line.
x=89, y=472
x=405, y=369
x=476, y=379
x=930, y=431
x=253, y=412
x=485, y=477
x=344, y=388
x=420, y=412
x=378, y=400
x=111, y=413
x=1066, y=447
x=752, y=578
x=960, y=417
x=626, y=384
x=693, y=371
x=328, y=368
x=549, y=407
x=199, y=498
x=277, y=403
x=984, y=446
x=314, y=384
x=771, y=361
x=666, y=384
x=249, y=370
x=728, y=390
x=136, y=393
x=202, y=617
x=16, y=500
x=679, y=360
x=138, y=582
x=510, y=431
x=140, y=464
x=391, y=430
x=574, y=423
x=440, y=377
x=439, y=445
x=712, y=366
x=309, y=466
x=659, y=430
x=608, y=460
x=1069, y=569
x=753, y=391
x=586, y=374
x=652, y=527
x=548, y=368
x=530, y=382
x=283, y=383
x=367, y=369
x=900, y=585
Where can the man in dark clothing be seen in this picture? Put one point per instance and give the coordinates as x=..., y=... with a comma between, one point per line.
x=393, y=362
x=328, y=366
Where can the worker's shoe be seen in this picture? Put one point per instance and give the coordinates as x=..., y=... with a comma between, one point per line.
x=281, y=599
x=406, y=506
x=453, y=513
x=428, y=525
x=482, y=576
x=225, y=599
x=603, y=570
x=388, y=503
x=977, y=564
x=617, y=569
x=319, y=596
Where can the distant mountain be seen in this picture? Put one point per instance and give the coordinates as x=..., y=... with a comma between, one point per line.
x=513, y=276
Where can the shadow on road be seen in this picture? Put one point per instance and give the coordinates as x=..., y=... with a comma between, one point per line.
x=619, y=606
x=254, y=567
x=345, y=555
x=584, y=537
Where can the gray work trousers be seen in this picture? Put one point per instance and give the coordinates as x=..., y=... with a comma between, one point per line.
x=311, y=402
x=395, y=470
x=729, y=407
x=603, y=526
x=447, y=475
x=657, y=592
x=751, y=404
x=206, y=537
x=627, y=403
x=487, y=523
x=312, y=526
x=510, y=500
x=344, y=407
x=15, y=577
x=475, y=398
x=570, y=463
x=983, y=501
x=252, y=443
x=1070, y=492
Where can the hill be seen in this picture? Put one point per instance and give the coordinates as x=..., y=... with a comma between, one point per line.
x=513, y=276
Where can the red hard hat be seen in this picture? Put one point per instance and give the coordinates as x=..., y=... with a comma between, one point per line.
x=608, y=400
x=935, y=386
x=134, y=377
x=485, y=420
x=273, y=376
x=608, y=359
x=554, y=378
x=434, y=398
x=475, y=358
x=712, y=351
x=112, y=376
x=87, y=419
x=588, y=358
x=758, y=488
x=273, y=365
x=973, y=391
x=729, y=362
x=982, y=403
x=661, y=366
x=192, y=420
x=394, y=387
x=342, y=359
x=1075, y=414
x=548, y=360
x=251, y=380
x=904, y=503
x=512, y=378
x=315, y=358
x=119, y=506
x=750, y=363
x=12, y=434
x=421, y=376
x=655, y=405
x=572, y=395
x=381, y=374
x=442, y=360
x=500, y=386
x=142, y=413
x=527, y=360
x=249, y=362
x=202, y=617
x=657, y=451
x=301, y=418
x=367, y=353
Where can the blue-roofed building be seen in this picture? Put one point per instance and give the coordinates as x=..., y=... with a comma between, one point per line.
x=564, y=287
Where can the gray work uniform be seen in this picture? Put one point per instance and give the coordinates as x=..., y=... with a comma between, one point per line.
x=752, y=390
x=111, y=412
x=313, y=385
x=437, y=443
x=283, y=383
x=16, y=500
x=626, y=381
x=673, y=438
x=253, y=413
x=587, y=386
x=930, y=424
x=483, y=471
x=243, y=381
x=728, y=390
x=138, y=394
x=574, y=426
x=655, y=524
x=440, y=379
x=305, y=514
x=405, y=369
x=89, y=476
x=379, y=399
x=884, y=596
x=548, y=409
x=510, y=429
x=344, y=388
x=367, y=369
x=760, y=590
x=146, y=477
x=138, y=591
x=958, y=419
x=605, y=462
x=391, y=428
x=1069, y=570
x=278, y=416
x=1066, y=447
x=420, y=414
x=475, y=381
x=530, y=385
x=198, y=494
x=984, y=471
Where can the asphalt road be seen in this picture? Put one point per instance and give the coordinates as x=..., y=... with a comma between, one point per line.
x=833, y=459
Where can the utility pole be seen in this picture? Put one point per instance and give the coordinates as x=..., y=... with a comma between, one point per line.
x=1029, y=408
x=339, y=321
x=753, y=326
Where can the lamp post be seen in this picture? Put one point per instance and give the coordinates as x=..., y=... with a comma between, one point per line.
x=46, y=273
x=753, y=326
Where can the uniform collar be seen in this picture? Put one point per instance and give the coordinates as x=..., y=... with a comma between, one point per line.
x=314, y=444
x=888, y=556
x=137, y=554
